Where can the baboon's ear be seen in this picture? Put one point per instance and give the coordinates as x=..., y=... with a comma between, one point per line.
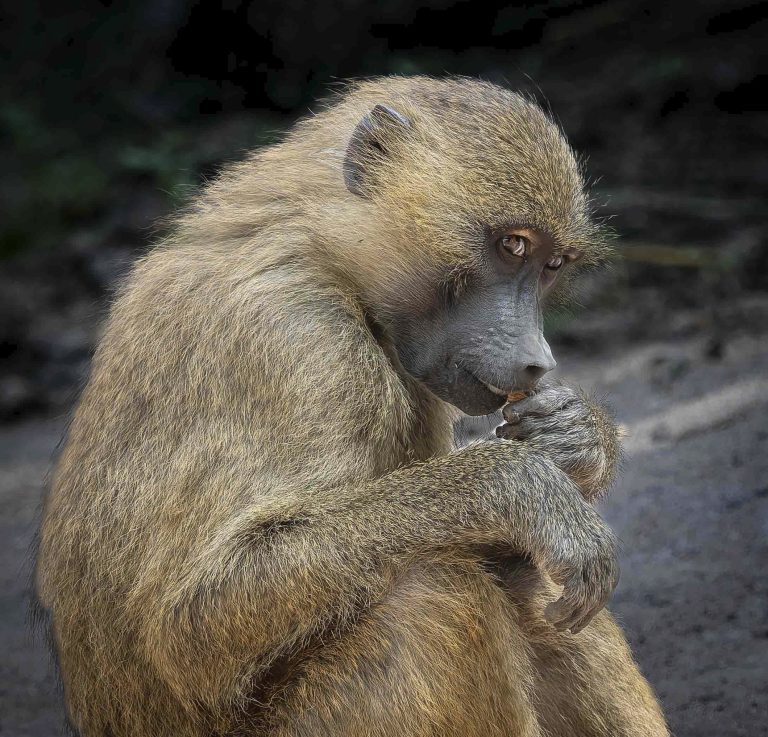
x=370, y=139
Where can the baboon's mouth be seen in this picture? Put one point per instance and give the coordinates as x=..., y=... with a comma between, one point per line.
x=510, y=396
x=490, y=387
x=494, y=389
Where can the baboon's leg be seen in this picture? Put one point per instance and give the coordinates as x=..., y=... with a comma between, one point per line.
x=442, y=656
x=586, y=684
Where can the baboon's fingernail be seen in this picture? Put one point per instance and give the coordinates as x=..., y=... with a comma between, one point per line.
x=550, y=611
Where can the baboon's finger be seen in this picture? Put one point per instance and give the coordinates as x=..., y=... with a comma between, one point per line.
x=579, y=618
x=545, y=402
x=510, y=432
x=560, y=612
x=510, y=415
x=584, y=621
x=577, y=626
x=576, y=607
x=596, y=609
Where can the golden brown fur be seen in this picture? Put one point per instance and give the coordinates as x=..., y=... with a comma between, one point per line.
x=258, y=525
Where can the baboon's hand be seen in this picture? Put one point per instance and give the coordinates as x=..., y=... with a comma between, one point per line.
x=573, y=430
x=588, y=574
x=562, y=533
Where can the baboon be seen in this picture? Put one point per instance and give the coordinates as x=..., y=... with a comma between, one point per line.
x=258, y=524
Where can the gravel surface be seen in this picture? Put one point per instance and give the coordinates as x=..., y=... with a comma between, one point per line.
x=691, y=509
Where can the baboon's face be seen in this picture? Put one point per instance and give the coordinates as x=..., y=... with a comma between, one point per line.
x=485, y=341
x=476, y=337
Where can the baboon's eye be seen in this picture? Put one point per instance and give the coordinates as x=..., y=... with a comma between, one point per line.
x=517, y=245
x=555, y=263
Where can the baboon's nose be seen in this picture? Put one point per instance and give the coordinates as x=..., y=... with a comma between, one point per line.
x=534, y=360
x=533, y=372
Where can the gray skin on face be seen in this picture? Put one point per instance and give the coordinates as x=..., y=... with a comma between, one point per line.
x=488, y=343
x=474, y=350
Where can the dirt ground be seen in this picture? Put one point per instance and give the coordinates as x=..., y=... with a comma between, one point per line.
x=691, y=509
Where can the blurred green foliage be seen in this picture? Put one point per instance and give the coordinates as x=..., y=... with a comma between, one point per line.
x=63, y=182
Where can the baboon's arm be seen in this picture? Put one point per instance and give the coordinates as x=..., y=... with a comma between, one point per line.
x=283, y=573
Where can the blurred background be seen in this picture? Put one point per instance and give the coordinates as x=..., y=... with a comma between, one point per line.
x=112, y=113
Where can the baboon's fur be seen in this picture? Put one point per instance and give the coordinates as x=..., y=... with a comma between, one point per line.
x=258, y=524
